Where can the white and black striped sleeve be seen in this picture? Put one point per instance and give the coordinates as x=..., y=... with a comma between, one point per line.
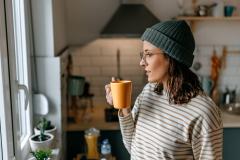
x=209, y=146
x=208, y=143
x=127, y=125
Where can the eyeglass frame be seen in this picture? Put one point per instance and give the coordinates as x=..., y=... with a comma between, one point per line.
x=147, y=53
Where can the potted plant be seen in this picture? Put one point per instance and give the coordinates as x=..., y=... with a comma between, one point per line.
x=46, y=125
x=41, y=154
x=41, y=140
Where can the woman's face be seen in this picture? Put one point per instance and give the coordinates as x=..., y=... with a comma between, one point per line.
x=154, y=63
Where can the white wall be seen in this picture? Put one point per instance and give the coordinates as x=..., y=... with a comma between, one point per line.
x=42, y=17
x=48, y=27
x=86, y=18
x=59, y=22
x=162, y=9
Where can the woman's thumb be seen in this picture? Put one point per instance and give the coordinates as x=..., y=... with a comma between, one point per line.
x=113, y=79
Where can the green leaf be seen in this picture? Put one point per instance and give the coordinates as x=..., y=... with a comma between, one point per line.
x=42, y=154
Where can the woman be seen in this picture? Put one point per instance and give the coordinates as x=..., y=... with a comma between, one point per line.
x=172, y=117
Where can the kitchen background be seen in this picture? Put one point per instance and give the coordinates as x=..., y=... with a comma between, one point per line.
x=95, y=57
x=74, y=28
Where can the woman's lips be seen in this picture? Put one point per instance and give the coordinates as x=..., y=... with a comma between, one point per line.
x=148, y=72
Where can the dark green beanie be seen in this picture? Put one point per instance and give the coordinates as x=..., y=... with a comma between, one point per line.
x=174, y=38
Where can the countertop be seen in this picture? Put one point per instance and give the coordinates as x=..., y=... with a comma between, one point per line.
x=98, y=121
x=230, y=120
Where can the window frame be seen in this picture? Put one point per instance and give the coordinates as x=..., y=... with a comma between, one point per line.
x=21, y=146
x=5, y=99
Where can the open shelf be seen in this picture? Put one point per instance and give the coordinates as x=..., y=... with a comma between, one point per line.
x=194, y=18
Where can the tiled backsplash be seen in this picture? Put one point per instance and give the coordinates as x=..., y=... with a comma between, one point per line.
x=230, y=75
x=98, y=63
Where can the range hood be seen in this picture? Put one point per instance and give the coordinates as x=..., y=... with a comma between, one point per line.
x=130, y=20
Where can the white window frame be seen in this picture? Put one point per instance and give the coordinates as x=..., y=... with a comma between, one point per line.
x=5, y=104
x=21, y=145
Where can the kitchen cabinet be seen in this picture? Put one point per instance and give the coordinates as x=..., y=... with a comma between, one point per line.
x=76, y=143
x=231, y=144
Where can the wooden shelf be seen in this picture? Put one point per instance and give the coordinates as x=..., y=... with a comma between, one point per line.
x=193, y=19
x=234, y=18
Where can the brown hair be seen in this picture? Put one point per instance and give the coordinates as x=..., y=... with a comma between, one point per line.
x=183, y=84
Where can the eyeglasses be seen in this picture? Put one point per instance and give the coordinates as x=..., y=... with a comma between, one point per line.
x=146, y=56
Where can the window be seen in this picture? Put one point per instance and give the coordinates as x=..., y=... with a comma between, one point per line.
x=1, y=149
x=17, y=18
x=22, y=71
x=6, y=134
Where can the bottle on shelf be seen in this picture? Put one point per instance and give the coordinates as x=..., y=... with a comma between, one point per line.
x=106, y=150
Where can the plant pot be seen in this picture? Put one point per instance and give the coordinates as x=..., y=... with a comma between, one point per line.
x=36, y=144
x=33, y=158
x=52, y=131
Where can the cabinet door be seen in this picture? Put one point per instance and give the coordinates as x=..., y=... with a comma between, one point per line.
x=231, y=144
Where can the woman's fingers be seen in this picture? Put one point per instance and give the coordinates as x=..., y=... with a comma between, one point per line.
x=113, y=79
x=108, y=94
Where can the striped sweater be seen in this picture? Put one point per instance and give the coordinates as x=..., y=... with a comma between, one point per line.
x=159, y=130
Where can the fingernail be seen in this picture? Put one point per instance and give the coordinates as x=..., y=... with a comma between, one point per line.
x=113, y=78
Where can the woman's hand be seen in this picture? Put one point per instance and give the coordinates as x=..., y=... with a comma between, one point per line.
x=124, y=111
x=109, y=93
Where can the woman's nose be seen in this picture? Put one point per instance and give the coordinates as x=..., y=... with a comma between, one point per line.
x=142, y=63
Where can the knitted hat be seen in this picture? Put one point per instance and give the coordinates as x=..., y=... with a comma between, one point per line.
x=174, y=38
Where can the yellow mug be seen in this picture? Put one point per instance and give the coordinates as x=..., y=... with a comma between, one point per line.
x=121, y=93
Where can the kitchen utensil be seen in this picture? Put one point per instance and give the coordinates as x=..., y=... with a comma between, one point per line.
x=207, y=84
x=204, y=10
x=180, y=4
x=232, y=108
x=229, y=96
x=76, y=85
x=228, y=10
x=197, y=64
x=218, y=10
x=118, y=66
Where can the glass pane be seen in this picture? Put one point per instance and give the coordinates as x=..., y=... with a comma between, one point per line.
x=21, y=67
x=1, y=155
